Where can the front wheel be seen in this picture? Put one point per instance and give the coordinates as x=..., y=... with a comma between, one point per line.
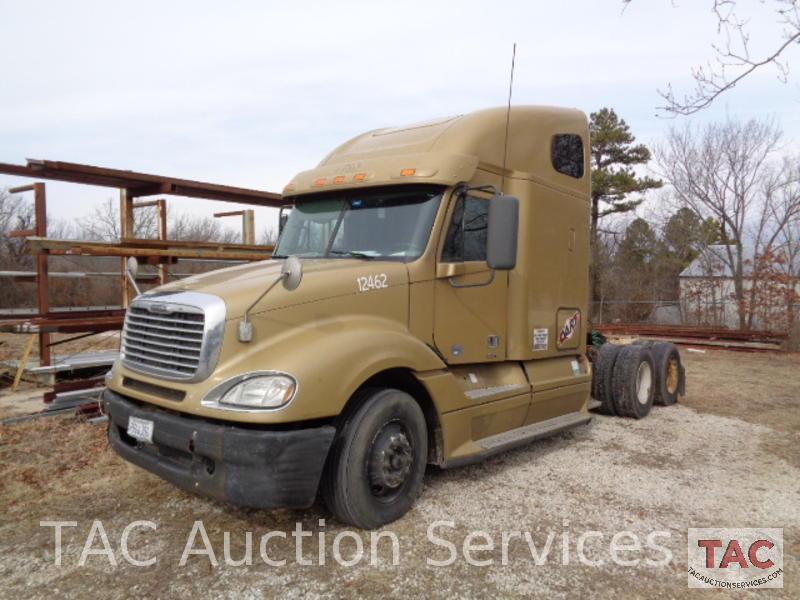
x=377, y=461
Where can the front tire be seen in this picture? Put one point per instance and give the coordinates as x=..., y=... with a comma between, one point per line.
x=377, y=460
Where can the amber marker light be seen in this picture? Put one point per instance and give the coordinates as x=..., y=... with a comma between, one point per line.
x=407, y=172
x=359, y=177
x=338, y=179
x=319, y=182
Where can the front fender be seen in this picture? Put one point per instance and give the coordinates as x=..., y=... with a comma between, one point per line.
x=329, y=358
x=330, y=368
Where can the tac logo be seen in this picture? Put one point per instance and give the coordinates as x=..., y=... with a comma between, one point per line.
x=734, y=558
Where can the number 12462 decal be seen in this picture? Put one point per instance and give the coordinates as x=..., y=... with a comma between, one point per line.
x=372, y=282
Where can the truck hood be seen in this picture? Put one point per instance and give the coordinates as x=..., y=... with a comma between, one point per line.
x=239, y=286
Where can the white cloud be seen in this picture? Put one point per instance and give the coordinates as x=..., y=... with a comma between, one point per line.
x=248, y=93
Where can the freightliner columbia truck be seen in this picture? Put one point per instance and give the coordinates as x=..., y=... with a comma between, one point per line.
x=426, y=304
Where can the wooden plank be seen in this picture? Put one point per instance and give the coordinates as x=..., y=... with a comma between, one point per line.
x=249, y=226
x=21, y=233
x=23, y=362
x=73, y=247
x=140, y=243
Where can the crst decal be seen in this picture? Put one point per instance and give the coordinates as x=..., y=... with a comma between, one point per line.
x=568, y=330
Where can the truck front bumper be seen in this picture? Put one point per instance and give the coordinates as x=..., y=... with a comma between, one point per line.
x=259, y=468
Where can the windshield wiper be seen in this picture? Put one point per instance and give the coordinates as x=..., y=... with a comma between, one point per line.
x=353, y=253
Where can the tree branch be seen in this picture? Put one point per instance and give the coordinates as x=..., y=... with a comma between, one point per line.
x=733, y=61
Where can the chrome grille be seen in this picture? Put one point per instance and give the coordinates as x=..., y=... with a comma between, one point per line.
x=172, y=340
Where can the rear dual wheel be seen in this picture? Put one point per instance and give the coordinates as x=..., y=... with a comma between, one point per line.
x=633, y=382
x=669, y=372
x=603, y=374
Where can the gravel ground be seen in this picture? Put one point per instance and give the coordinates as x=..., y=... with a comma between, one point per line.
x=727, y=456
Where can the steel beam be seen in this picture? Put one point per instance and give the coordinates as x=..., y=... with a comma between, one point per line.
x=139, y=184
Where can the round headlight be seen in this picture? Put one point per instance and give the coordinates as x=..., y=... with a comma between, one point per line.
x=262, y=391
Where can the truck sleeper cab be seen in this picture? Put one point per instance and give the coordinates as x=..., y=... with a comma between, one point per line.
x=435, y=316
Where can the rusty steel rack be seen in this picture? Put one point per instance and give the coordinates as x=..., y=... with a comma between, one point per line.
x=712, y=337
x=132, y=185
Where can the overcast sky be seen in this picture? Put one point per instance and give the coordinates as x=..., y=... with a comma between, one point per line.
x=249, y=93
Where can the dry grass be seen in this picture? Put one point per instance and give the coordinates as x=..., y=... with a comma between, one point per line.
x=49, y=456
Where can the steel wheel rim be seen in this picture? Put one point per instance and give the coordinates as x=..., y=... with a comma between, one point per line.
x=673, y=375
x=390, y=461
x=644, y=382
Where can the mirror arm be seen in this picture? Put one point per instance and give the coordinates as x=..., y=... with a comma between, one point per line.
x=472, y=285
x=488, y=188
x=132, y=279
x=280, y=278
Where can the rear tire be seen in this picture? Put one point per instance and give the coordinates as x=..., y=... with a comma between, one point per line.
x=602, y=389
x=377, y=461
x=633, y=382
x=667, y=363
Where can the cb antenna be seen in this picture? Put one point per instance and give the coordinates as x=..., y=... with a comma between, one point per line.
x=508, y=116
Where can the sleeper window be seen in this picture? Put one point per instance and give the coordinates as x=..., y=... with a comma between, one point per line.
x=567, y=154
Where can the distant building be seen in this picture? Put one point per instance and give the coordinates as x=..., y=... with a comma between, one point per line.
x=771, y=284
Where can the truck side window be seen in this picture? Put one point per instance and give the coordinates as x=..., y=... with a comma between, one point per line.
x=566, y=154
x=466, y=237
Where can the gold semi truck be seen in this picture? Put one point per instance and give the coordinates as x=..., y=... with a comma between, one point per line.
x=426, y=304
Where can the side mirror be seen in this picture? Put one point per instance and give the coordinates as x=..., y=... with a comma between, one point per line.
x=292, y=272
x=501, y=247
x=291, y=276
x=133, y=266
x=131, y=269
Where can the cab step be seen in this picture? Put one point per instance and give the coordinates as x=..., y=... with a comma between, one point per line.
x=507, y=440
x=516, y=437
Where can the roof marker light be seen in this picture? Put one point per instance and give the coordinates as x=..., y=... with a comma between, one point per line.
x=319, y=182
x=407, y=172
x=359, y=177
x=338, y=179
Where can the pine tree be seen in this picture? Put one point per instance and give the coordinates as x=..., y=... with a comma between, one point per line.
x=686, y=235
x=613, y=156
x=615, y=186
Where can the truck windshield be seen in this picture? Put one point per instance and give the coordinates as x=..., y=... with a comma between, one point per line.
x=389, y=224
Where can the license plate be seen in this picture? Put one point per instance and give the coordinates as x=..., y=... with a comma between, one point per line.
x=140, y=429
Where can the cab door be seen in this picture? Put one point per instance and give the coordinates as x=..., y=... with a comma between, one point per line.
x=470, y=301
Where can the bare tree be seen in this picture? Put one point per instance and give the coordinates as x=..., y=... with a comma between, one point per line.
x=727, y=171
x=103, y=223
x=789, y=266
x=269, y=237
x=734, y=59
x=198, y=228
x=15, y=214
